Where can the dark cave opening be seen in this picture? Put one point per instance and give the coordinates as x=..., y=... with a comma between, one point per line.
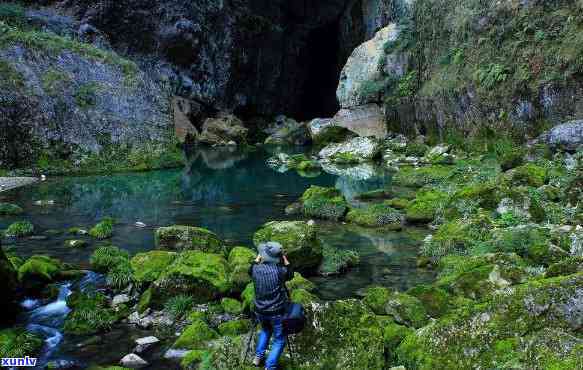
x=321, y=55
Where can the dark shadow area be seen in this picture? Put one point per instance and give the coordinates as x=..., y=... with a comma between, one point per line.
x=321, y=56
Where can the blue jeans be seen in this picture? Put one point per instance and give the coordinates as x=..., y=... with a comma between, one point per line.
x=270, y=326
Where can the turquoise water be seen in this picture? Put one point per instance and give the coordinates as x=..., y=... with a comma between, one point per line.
x=228, y=192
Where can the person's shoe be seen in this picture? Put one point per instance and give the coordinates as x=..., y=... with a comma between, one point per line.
x=257, y=361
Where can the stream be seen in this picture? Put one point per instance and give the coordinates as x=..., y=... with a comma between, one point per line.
x=226, y=191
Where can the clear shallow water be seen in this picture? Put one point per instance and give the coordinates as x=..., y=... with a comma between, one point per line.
x=230, y=193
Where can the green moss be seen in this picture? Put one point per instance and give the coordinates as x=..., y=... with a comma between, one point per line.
x=90, y=314
x=377, y=215
x=406, y=310
x=10, y=77
x=416, y=149
x=240, y=259
x=178, y=306
x=103, y=230
x=326, y=203
x=55, y=81
x=435, y=300
x=485, y=194
x=393, y=335
x=303, y=297
x=20, y=229
x=180, y=238
x=231, y=306
x=376, y=298
x=39, y=271
x=194, y=358
x=398, y=203
x=195, y=336
x=529, y=174
x=145, y=301
x=9, y=209
x=298, y=238
x=300, y=282
x=336, y=261
x=248, y=296
x=425, y=207
x=511, y=159
x=18, y=343
x=419, y=177
x=332, y=134
x=148, y=266
x=568, y=266
x=234, y=327
x=204, y=276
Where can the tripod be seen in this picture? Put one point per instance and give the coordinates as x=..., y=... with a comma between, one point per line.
x=250, y=340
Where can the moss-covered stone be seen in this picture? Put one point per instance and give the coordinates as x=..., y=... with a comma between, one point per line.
x=298, y=238
x=9, y=209
x=179, y=238
x=325, y=203
x=435, y=300
x=568, y=266
x=406, y=310
x=393, y=335
x=38, y=271
x=240, y=259
x=511, y=159
x=231, y=306
x=148, y=266
x=425, y=206
x=337, y=261
x=529, y=174
x=103, y=230
x=398, y=203
x=248, y=296
x=90, y=314
x=303, y=296
x=195, y=336
x=419, y=177
x=376, y=298
x=18, y=343
x=105, y=258
x=204, y=276
x=235, y=327
x=300, y=282
x=377, y=215
x=19, y=229
x=145, y=301
x=485, y=194
x=508, y=328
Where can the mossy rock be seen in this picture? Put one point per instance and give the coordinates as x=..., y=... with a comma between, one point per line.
x=300, y=282
x=38, y=271
x=325, y=203
x=435, y=300
x=521, y=239
x=181, y=238
x=90, y=314
x=376, y=215
x=195, y=336
x=425, y=206
x=9, y=282
x=231, y=306
x=19, y=229
x=511, y=159
x=303, y=296
x=298, y=238
x=103, y=230
x=568, y=266
x=545, y=254
x=9, y=209
x=148, y=266
x=145, y=301
x=507, y=328
x=341, y=334
x=235, y=327
x=248, y=297
x=309, y=165
x=106, y=258
x=76, y=243
x=398, y=203
x=204, y=276
x=332, y=134
x=376, y=298
x=240, y=259
x=529, y=174
x=406, y=310
x=485, y=194
x=419, y=177
x=337, y=261
x=18, y=343
x=393, y=335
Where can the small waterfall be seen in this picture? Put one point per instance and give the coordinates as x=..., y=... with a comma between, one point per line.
x=47, y=320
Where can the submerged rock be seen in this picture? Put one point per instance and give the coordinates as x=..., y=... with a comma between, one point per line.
x=325, y=203
x=180, y=238
x=298, y=238
x=377, y=215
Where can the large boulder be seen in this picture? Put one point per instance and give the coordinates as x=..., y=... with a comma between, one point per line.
x=287, y=131
x=204, y=276
x=568, y=136
x=530, y=326
x=240, y=259
x=38, y=271
x=356, y=150
x=148, y=266
x=365, y=120
x=364, y=70
x=179, y=238
x=223, y=130
x=298, y=238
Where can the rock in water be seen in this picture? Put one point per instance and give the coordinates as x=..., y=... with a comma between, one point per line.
x=144, y=343
x=361, y=77
x=568, y=136
x=178, y=238
x=365, y=120
x=133, y=361
x=356, y=150
x=223, y=130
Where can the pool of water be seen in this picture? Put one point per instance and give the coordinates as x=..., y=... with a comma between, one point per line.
x=228, y=192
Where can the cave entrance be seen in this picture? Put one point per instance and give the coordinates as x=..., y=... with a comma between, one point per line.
x=318, y=99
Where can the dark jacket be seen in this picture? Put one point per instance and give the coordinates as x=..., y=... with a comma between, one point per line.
x=270, y=292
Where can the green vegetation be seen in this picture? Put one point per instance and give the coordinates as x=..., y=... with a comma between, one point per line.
x=86, y=95
x=19, y=229
x=55, y=81
x=104, y=258
x=90, y=314
x=12, y=13
x=325, y=203
x=9, y=209
x=18, y=342
x=10, y=77
x=178, y=306
x=337, y=261
x=104, y=229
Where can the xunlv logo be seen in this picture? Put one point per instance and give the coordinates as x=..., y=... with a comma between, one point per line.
x=19, y=362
